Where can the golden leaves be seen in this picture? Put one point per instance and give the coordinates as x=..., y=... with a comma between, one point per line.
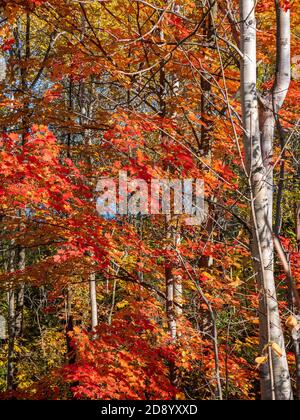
x=236, y=283
x=122, y=304
x=277, y=349
x=261, y=361
x=291, y=322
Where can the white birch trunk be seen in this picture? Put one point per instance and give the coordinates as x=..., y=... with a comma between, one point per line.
x=93, y=301
x=275, y=378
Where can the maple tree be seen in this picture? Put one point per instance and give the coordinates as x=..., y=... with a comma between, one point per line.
x=146, y=306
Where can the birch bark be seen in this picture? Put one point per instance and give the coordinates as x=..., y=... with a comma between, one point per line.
x=275, y=378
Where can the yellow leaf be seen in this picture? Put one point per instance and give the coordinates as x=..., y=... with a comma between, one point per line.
x=180, y=396
x=261, y=360
x=277, y=350
x=291, y=322
x=238, y=282
x=122, y=305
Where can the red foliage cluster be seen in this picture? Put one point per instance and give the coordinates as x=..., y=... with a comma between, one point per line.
x=127, y=360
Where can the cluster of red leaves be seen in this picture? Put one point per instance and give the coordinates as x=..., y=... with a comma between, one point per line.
x=127, y=360
x=51, y=196
x=37, y=2
x=7, y=45
x=176, y=27
x=32, y=173
x=268, y=5
x=294, y=254
x=286, y=5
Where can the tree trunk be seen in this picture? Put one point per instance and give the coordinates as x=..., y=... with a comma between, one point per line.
x=178, y=296
x=10, y=380
x=2, y=67
x=87, y=113
x=298, y=225
x=275, y=378
x=93, y=299
x=20, y=295
x=296, y=338
x=297, y=357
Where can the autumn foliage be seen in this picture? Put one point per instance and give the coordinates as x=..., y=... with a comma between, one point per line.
x=93, y=88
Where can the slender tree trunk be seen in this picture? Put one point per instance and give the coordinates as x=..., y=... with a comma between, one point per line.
x=296, y=337
x=170, y=285
x=298, y=224
x=11, y=327
x=275, y=378
x=11, y=341
x=93, y=299
x=169, y=277
x=297, y=358
x=178, y=296
x=170, y=303
x=206, y=86
x=207, y=102
x=26, y=125
x=87, y=112
x=20, y=295
x=174, y=285
x=2, y=67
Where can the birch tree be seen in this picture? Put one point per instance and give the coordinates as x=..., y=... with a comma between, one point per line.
x=259, y=129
